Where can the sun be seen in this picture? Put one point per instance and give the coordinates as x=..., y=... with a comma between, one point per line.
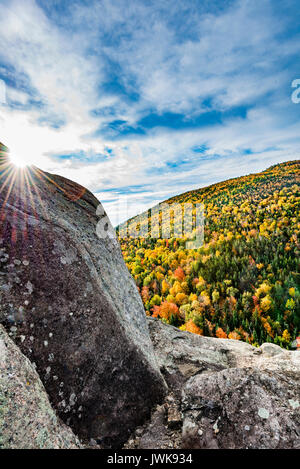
x=17, y=155
x=19, y=161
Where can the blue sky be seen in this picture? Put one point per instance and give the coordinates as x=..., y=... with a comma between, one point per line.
x=147, y=99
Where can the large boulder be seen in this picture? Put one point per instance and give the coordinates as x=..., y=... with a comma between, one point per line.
x=70, y=304
x=242, y=408
x=27, y=420
x=222, y=394
x=181, y=355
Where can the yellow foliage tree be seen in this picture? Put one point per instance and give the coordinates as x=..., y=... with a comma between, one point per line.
x=234, y=335
x=181, y=298
x=220, y=333
x=191, y=327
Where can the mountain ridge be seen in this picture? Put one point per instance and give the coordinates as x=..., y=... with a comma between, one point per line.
x=247, y=266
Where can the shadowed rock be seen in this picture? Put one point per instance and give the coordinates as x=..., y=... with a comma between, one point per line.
x=27, y=420
x=70, y=304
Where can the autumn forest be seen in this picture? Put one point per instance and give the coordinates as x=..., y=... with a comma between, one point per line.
x=244, y=282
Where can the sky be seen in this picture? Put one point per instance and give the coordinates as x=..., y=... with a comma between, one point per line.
x=140, y=100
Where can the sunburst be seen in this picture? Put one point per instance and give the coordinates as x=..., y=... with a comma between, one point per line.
x=29, y=180
x=18, y=161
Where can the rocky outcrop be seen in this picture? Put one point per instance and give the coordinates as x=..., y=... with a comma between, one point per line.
x=73, y=320
x=222, y=394
x=26, y=417
x=70, y=304
x=242, y=408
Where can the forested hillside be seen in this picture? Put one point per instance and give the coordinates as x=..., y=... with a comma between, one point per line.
x=243, y=283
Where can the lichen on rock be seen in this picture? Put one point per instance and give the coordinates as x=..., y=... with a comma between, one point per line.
x=229, y=394
x=27, y=420
x=95, y=340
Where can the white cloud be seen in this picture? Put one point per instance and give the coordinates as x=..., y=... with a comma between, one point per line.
x=181, y=62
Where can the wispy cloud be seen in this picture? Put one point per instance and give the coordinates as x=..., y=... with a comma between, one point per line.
x=117, y=95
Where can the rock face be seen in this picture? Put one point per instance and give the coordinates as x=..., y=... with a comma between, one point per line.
x=241, y=408
x=26, y=417
x=228, y=394
x=70, y=304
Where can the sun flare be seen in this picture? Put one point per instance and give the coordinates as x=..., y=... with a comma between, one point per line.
x=19, y=161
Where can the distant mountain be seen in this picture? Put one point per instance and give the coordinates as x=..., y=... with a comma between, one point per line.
x=244, y=282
